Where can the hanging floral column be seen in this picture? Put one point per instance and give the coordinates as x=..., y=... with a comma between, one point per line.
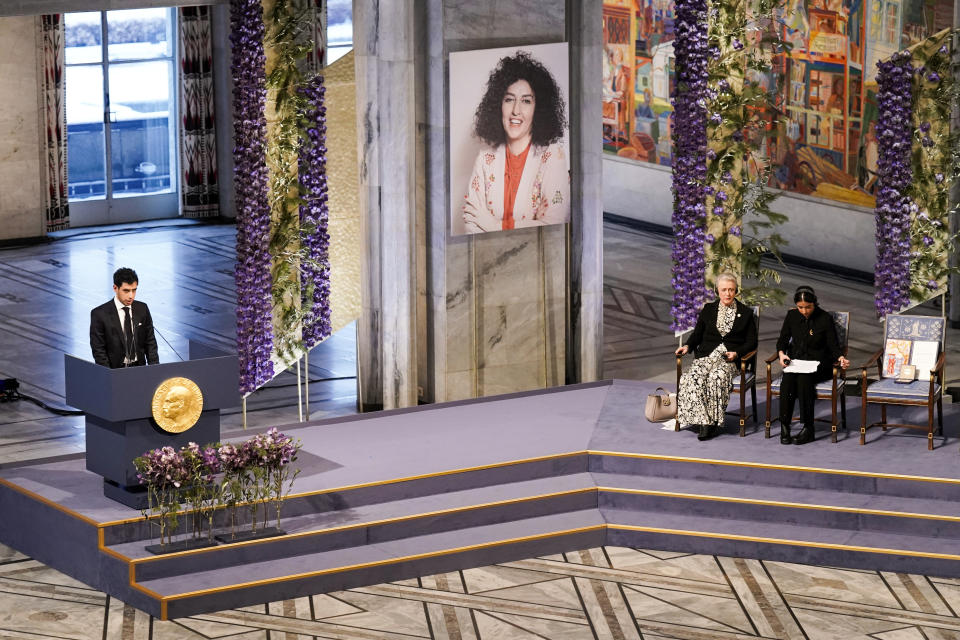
x=895, y=172
x=314, y=215
x=689, y=127
x=252, y=270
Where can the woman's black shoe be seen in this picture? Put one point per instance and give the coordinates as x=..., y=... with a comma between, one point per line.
x=785, y=436
x=805, y=436
x=706, y=432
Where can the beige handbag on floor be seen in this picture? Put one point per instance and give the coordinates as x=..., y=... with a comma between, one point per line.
x=660, y=406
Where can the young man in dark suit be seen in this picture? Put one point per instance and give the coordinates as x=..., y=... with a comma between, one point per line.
x=121, y=330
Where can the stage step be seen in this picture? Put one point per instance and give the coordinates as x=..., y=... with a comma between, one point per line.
x=767, y=475
x=340, y=506
x=378, y=521
x=276, y=579
x=789, y=542
x=467, y=510
x=513, y=478
x=835, y=509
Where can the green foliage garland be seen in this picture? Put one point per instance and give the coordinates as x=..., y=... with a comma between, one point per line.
x=288, y=37
x=741, y=227
x=936, y=164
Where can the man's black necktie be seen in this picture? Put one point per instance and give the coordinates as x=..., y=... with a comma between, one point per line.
x=128, y=336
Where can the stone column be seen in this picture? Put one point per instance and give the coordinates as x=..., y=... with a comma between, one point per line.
x=384, y=48
x=485, y=314
x=585, y=322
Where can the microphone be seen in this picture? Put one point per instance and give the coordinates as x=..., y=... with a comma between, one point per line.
x=157, y=331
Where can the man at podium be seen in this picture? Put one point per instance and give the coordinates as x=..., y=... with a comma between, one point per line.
x=121, y=330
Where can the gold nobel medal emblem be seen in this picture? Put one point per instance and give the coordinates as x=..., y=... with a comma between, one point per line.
x=177, y=404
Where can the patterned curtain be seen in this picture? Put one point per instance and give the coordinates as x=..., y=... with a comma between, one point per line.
x=198, y=142
x=55, y=122
x=317, y=58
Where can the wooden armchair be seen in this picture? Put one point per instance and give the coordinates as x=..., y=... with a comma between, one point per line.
x=925, y=391
x=745, y=380
x=834, y=389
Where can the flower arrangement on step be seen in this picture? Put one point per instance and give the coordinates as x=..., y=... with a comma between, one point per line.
x=164, y=471
x=202, y=493
x=224, y=478
x=272, y=453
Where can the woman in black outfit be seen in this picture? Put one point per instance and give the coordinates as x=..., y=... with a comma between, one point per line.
x=726, y=330
x=808, y=333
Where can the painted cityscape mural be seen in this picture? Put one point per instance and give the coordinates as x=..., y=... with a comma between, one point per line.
x=826, y=145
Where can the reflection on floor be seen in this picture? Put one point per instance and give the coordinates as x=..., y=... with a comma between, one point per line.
x=609, y=592
x=185, y=271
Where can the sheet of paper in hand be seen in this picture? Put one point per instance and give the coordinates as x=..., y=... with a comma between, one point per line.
x=802, y=366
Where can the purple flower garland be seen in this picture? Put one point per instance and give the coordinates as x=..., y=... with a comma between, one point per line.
x=312, y=168
x=689, y=162
x=252, y=270
x=895, y=175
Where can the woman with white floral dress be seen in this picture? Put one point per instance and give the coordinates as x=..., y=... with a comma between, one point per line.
x=726, y=330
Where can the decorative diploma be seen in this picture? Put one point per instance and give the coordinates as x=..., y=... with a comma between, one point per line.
x=924, y=356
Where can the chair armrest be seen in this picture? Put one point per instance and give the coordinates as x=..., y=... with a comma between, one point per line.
x=744, y=359
x=937, y=372
x=772, y=358
x=941, y=360
x=679, y=369
x=839, y=373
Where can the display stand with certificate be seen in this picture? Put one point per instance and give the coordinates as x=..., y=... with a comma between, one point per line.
x=908, y=374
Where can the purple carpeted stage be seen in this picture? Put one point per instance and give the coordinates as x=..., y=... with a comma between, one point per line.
x=411, y=492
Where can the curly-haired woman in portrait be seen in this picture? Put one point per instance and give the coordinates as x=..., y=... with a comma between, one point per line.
x=521, y=179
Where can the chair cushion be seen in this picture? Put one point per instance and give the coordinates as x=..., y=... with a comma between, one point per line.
x=822, y=387
x=750, y=379
x=888, y=389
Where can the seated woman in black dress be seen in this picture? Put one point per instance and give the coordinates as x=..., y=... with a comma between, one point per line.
x=726, y=330
x=808, y=333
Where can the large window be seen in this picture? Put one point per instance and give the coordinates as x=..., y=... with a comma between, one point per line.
x=121, y=105
x=339, y=28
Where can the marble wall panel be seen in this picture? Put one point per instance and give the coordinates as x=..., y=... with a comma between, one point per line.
x=490, y=312
x=503, y=23
x=511, y=330
x=21, y=186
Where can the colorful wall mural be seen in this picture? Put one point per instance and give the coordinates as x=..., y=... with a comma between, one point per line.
x=825, y=144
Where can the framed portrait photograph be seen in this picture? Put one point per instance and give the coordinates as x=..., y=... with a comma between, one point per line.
x=509, y=138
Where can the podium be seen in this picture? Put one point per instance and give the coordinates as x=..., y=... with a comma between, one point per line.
x=119, y=420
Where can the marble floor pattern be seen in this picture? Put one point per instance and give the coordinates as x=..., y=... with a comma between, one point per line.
x=46, y=292
x=608, y=592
